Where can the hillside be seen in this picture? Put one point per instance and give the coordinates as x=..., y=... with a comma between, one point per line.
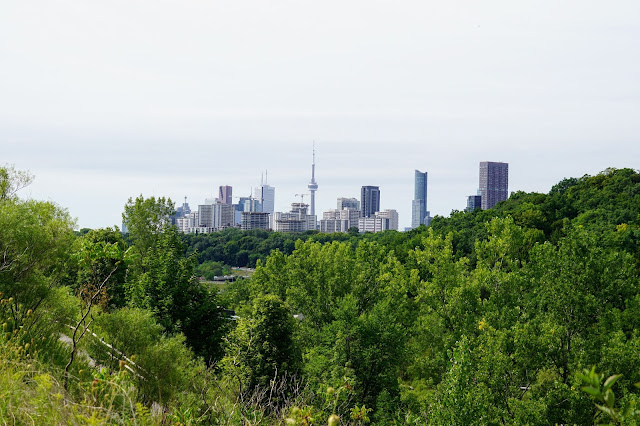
x=485, y=317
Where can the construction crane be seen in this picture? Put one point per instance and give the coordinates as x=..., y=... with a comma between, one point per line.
x=301, y=203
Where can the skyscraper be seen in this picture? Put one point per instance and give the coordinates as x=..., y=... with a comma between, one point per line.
x=419, y=203
x=313, y=185
x=266, y=194
x=370, y=200
x=494, y=183
x=225, y=195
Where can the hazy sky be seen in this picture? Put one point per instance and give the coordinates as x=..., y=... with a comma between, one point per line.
x=107, y=100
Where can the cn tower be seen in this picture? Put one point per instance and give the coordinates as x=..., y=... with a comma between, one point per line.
x=313, y=186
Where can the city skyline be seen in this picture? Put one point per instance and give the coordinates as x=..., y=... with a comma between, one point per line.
x=104, y=103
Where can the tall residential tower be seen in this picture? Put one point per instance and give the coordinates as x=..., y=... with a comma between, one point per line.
x=419, y=204
x=494, y=183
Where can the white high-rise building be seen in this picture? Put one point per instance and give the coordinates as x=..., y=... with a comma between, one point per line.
x=194, y=219
x=266, y=196
x=223, y=216
x=380, y=221
x=182, y=223
x=392, y=215
x=297, y=220
x=339, y=220
x=373, y=224
x=205, y=215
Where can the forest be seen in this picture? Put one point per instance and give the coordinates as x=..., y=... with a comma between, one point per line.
x=527, y=313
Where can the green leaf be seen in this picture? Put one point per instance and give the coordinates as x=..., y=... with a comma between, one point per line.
x=611, y=380
x=609, y=398
x=591, y=390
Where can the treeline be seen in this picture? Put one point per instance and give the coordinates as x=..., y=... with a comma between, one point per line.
x=235, y=247
x=238, y=248
x=485, y=317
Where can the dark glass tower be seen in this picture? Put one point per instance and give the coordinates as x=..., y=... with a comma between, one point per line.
x=370, y=200
x=224, y=196
x=494, y=183
x=419, y=203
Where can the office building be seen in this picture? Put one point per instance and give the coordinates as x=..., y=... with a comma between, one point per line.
x=419, y=204
x=223, y=216
x=348, y=203
x=494, y=183
x=473, y=202
x=225, y=195
x=254, y=220
x=265, y=195
x=370, y=199
x=205, y=215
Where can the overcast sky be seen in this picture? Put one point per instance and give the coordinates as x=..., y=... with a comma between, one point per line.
x=103, y=101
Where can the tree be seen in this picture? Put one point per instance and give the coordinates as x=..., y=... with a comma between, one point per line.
x=93, y=291
x=145, y=219
x=169, y=287
x=35, y=241
x=96, y=265
x=262, y=348
x=12, y=180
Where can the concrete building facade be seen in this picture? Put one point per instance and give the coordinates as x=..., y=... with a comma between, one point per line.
x=373, y=224
x=254, y=220
x=205, y=215
x=339, y=220
x=393, y=217
x=223, y=216
x=297, y=220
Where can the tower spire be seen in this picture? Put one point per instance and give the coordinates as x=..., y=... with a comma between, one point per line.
x=313, y=185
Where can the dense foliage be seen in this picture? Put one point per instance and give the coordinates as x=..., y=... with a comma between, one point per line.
x=514, y=315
